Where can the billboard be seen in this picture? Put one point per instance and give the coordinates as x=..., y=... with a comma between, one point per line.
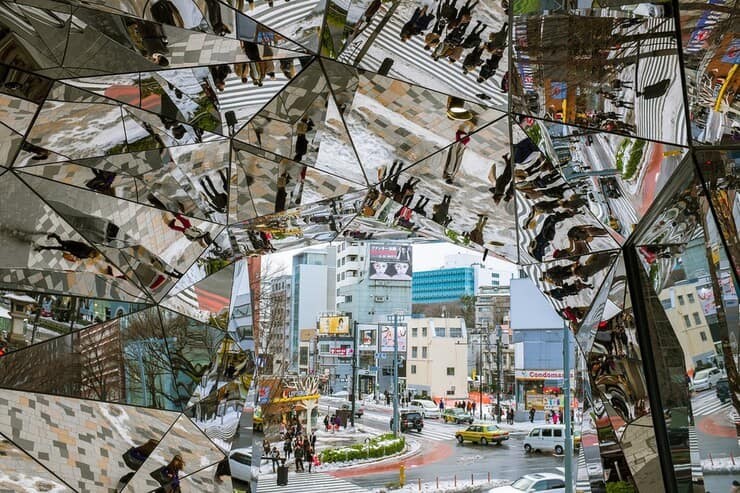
x=386, y=338
x=368, y=338
x=390, y=262
x=334, y=325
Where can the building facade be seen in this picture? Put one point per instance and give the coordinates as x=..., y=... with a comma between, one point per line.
x=538, y=348
x=313, y=293
x=437, y=357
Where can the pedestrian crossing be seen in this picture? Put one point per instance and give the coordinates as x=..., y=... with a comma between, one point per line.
x=707, y=403
x=438, y=432
x=582, y=483
x=410, y=57
x=696, y=469
x=302, y=482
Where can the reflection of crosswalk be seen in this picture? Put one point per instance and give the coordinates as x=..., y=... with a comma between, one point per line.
x=708, y=403
x=652, y=113
x=412, y=54
x=582, y=483
x=696, y=470
x=302, y=482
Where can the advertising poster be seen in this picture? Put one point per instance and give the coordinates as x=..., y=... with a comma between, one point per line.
x=386, y=338
x=390, y=262
x=334, y=325
x=368, y=340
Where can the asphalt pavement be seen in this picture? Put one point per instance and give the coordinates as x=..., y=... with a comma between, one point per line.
x=507, y=461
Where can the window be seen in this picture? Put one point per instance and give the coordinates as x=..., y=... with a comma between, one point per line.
x=557, y=432
x=414, y=352
x=424, y=352
x=348, y=298
x=413, y=369
x=414, y=331
x=680, y=300
x=666, y=303
x=697, y=319
x=690, y=297
x=547, y=432
x=439, y=331
x=450, y=371
x=703, y=335
x=686, y=321
x=423, y=332
x=455, y=331
x=554, y=484
x=324, y=348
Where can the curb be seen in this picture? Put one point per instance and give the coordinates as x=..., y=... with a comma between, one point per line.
x=412, y=448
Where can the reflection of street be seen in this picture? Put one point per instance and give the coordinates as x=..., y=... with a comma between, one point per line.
x=713, y=435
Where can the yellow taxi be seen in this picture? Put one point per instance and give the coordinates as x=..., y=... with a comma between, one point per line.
x=483, y=433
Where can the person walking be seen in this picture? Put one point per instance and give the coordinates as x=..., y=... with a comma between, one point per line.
x=560, y=415
x=308, y=450
x=287, y=448
x=299, y=459
x=274, y=455
x=531, y=414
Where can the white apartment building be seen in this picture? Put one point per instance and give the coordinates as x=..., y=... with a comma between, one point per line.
x=437, y=357
x=684, y=310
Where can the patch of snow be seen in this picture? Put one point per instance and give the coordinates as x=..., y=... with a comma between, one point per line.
x=721, y=465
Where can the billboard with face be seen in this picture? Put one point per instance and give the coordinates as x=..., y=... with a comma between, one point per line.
x=334, y=325
x=390, y=262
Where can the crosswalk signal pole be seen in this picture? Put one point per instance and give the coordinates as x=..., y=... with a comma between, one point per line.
x=566, y=414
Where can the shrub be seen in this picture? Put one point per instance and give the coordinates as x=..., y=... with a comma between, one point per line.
x=620, y=487
x=374, y=448
x=635, y=156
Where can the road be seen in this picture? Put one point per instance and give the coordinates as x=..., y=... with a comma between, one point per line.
x=441, y=457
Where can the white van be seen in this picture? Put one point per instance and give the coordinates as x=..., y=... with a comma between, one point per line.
x=428, y=409
x=548, y=438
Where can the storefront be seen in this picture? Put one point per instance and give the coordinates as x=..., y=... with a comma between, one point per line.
x=541, y=389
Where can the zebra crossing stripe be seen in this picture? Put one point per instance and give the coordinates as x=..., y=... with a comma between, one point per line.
x=302, y=482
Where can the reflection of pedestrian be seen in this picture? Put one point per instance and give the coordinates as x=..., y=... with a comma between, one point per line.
x=169, y=476
x=455, y=156
x=216, y=198
x=73, y=250
x=186, y=228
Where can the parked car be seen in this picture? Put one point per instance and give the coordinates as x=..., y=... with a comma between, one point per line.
x=483, y=433
x=723, y=390
x=549, y=438
x=359, y=408
x=457, y=416
x=542, y=482
x=428, y=409
x=707, y=378
x=240, y=464
x=410, y=420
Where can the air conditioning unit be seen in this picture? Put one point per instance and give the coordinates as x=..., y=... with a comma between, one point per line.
x=379, y=299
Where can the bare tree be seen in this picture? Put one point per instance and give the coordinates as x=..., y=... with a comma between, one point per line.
x=307, y=386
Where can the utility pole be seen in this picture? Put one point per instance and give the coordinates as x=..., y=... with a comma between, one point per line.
x=396, y=418
x=566, y=414
x=354, y=373
x=498, y=373
x=480, y=374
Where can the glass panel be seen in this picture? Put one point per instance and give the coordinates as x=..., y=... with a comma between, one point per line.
x=77, y=430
